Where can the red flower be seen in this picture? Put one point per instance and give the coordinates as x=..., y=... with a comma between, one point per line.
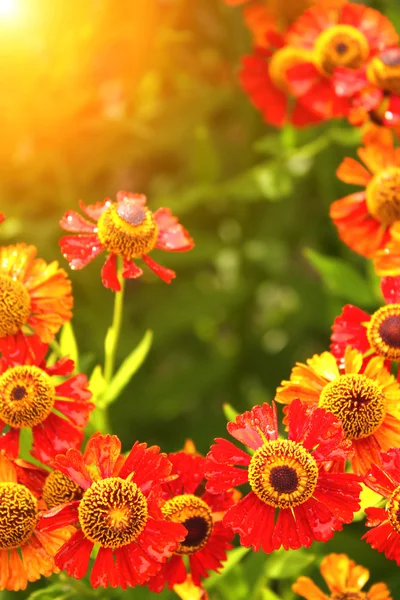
x=286, y=476
x=125, y=228
x=187, y=502
x=118, y=513
x=384, y=479
x=338, y=35
x=376, y=335
x=29, y=396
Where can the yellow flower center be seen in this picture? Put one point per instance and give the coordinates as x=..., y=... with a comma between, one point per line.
x=127, y=229
x=383, y=196
x=340, y=46
x=26, y=396
x=383, y=70
x=15, y=305
x=283, y=474
x=58, y=489
x=393, y=509
x=113, y=512
x=357, y=401
x=195, y=515
x=18, y=515
x=283, y=60
x=383, y=331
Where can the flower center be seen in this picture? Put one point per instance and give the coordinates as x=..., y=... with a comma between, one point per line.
x=357, y=401
x=349, y=596
x=58, y=489
x=283, y=474
x=340, y=46
x=26, y=396
x=284, y=59
x=113, y=512
x=18, y=515
x=195, y=515
x=383, y=331
x=383, y=71
x=383, y=196
x=15, y=305
x=393, y=509
x=127, y=229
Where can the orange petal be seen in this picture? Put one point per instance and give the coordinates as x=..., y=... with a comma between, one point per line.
x=17, y=575
x=307, y=588
x=3, y=569
x=7, y=469
x=351, y=171
x=377, y=158
x=341, y=573
x=379, y=591
x=353, y=360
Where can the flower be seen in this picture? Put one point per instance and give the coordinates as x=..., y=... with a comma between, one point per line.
x=186, y=501
x=29, y=396
x=125, y=228
x=34, y=296
x=264, y=78
x=338, y=35
x=344, y=578
x=118, y=513
x=363, y=396
x=25, y=552
x=189, y=591
x=365, y=219
x=59, y=489
x=384, y=478
x=376, y=335
x=286, y=476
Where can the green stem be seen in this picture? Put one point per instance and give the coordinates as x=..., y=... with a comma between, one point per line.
x=111, y=351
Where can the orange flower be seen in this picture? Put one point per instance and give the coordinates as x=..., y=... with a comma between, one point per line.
x=35, y=297
x=365, y=219
x=363, y=396
x=344, y=579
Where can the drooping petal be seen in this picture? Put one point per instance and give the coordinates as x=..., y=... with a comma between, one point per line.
x=131, y=270
x=351, y=171
x=79, y=250
x=137, y=564
x=390, y=287
x=73, y=557
x=163, y=273
x=54, y=436
x=103, y=452
x=161, y=538
x=220, y=471
x=104, y=572
x=255, y=426
x=9, y=442
x=59, y=517
x=74, y=222
x=72, y=464
x=253, y=520
x=172, y=572
x=172, y=236
x=307, y=589
x=109, y=275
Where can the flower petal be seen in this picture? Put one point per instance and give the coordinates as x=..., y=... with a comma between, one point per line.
x=59, y=516
x=253, y=520
x=80, y=250
x=172, y=236
x=54, y=436
x=73, y=465
x=163, y=273
x=109, y=275
x=73, y=557
x=73, y=221
x=255, y=426
x=103, y=451
x=130, y=270
x=150, y=466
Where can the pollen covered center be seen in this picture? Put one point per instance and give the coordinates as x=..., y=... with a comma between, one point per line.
x=194, y=514
x=383, y=331
x=18, y=515
x=283, y=474
x=383, y=196
x=58, y=489
x=357, y=401
x=26, y=396
x=15, y=305
x=128, y=229
x=393, y=509
x=113, y=512
x=284, y=59
x=340, y=46
x=383, y=70
x=349, y=596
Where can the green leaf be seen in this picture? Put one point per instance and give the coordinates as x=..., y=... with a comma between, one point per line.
x=287, y=564
x=234, y=558
x=268, y=594
x=97, y=382
x=229, y=412
x=127, y=370
x=68, y=344
x=274, y=181
x=25, y=446
x=341, y=279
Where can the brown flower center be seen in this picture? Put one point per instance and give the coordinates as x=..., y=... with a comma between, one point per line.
x=283, y=474
x=383, y=196
x=113, y=512
x=194, y=514
x=18, y=515
x=357, y=401
x=58, y=489
x=340, y=46
x=26, y=396
x=15, y=305
x=128, y=229
x=349, y=596
x=383, y=331
x=383, y=70
x=393, y=509
x=284, y=59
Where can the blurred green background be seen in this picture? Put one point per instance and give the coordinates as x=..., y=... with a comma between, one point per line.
x=142, y=95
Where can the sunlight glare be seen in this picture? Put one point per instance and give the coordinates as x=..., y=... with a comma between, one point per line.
x=8, y=8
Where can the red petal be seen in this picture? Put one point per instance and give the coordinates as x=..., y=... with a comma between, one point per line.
x=103, y=451
x=73, y=221
x=80, y=250
x=73, y=557
x=349, y=331
x=254, y=427
x=104, y=572
x=136, y=564
x=190, y=469
x=220, y=472
x=390, y=462
x=9, y=442
x=94, y=211
x=171, y=572
x=72, y=465
x=150, y=467
x=163, y=273
x=339, y=493
x=77, y=411
x=109, y=275
x=75, y=388
x=347, y=82
x=64, y=366
x=253, y=520
x=131, y=271
x=55, y=435
x=302, y=78
x=390, y=287
x=211, y=557
x=161, y=538
x=392, y=114
x=139, y=199
x=302, y=115
x=60, y=516
x=384, y=539
x=171, y=235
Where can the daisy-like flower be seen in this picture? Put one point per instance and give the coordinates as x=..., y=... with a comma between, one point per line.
x=372, y=335
x=187, y=502
x=365, y=219
x=125, y=228
x=293, y=499
x=25, y=552
x=29, y=397
x=58, y=489
x=365, y=397
x=338, y=35
x=345, y=580
x=34, y=296
x=384, y=478
x=118, y=513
